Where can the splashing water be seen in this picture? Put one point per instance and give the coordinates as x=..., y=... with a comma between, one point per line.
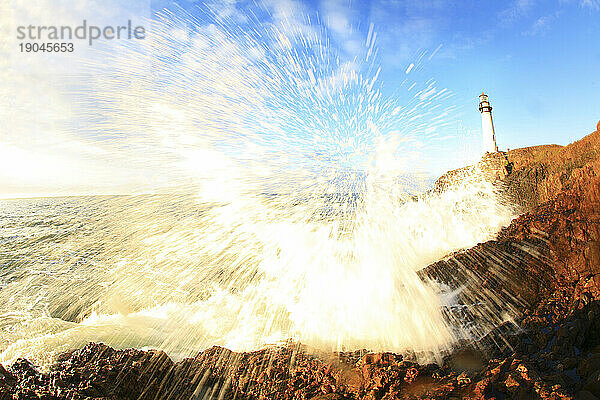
x=305, y=222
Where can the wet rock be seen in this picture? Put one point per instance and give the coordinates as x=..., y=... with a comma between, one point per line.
x=592, y=383
x=585, y=395
x=330, y=396
x=351, y=379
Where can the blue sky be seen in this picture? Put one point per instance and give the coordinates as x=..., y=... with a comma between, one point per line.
x=538, y=60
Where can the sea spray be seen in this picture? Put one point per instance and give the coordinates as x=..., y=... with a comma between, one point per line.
x=186, y=278
x=291, y=205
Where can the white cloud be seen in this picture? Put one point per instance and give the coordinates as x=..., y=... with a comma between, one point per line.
x=290, y=18
x=338, y=22
x=58, y=13
x=341, y=19
x=228, y=10
x=42, y=145
x=590, y=4
x=542, y=24
x=404, y=41
x=407, y=28
x=593, y=4
x=516, y=10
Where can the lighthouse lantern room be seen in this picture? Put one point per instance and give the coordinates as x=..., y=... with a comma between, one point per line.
x=487, y=125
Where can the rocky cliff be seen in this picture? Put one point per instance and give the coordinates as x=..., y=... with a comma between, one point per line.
x=546, y=264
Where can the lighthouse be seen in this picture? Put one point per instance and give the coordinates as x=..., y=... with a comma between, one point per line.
x=487, y=126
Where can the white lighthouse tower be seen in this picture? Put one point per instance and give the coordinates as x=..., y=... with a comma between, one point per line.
x=487, y=126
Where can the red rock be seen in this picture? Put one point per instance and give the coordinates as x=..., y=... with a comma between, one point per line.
x=411, y=374
x=330, y=396
x=351, y=379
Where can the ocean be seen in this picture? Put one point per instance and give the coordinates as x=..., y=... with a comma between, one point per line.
x=179, y=274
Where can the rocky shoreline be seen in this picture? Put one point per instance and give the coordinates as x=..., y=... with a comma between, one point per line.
x=553, y=274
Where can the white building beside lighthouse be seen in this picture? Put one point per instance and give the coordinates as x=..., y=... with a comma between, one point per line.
x=487, y=125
